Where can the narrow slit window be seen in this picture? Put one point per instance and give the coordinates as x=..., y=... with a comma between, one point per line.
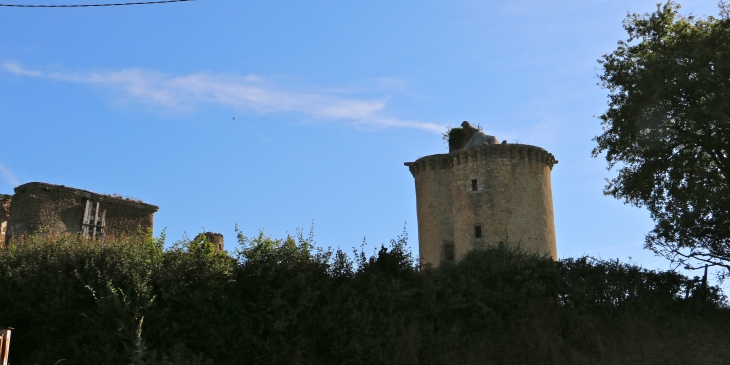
x=474, y=185
x=449, y=252
x=478, y=231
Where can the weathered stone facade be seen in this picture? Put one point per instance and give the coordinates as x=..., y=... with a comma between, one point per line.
x=4, y=213
x=54, y=209
x=215, y=238
x=483, y=195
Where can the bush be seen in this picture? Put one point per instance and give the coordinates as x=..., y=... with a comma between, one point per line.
x=281, y=301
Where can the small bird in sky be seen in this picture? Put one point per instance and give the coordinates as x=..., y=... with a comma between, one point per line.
x=234, y=118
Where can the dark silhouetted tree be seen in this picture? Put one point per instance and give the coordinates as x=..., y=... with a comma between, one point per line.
x=667, y=130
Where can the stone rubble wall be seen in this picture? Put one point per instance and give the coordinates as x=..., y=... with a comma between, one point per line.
x=40, y=208
x=513, y=200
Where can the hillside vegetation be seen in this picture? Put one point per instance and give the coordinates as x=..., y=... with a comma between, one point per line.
x=281, y=301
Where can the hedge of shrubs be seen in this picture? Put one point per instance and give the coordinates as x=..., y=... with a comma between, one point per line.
x=72, y=300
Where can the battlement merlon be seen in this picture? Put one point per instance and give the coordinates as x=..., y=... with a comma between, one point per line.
x=87, y=194
x=441, y=161
x=487, y=151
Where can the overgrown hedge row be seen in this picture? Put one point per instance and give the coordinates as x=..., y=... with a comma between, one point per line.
x=283, y=302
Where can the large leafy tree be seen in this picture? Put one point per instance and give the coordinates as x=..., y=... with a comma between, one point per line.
x=667, y=130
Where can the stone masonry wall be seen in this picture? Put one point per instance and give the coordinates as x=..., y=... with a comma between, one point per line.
x=4, y=213
x=215, y=238
x=433, y=174
x=53, y=209
x=513, y=199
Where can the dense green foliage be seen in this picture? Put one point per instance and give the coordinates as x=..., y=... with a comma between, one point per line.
x=454, y=138
x=285, y=302
x=457, y=137
x=667, y=129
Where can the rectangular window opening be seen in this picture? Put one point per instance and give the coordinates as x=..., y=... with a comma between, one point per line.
x=478, y=231
x=474, y=186
x=449, y=252
x=94, y=222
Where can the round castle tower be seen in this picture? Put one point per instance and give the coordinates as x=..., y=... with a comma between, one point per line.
x=483, y=192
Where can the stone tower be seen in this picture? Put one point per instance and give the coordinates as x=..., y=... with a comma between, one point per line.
x=215, y=238
x=483, y=192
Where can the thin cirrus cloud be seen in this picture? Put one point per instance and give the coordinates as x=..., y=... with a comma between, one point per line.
x=9, y=176
x=246, y=93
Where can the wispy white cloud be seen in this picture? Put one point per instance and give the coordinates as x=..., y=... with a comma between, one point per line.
x=245, y=93
x=18, y=70
x=9, y=176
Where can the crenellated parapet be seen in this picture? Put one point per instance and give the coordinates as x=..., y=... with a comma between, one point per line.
x=440, y=161
x=486, y=194
x=504, y=150
x=482, y=153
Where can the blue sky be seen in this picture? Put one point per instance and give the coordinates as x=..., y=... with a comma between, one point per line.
x=274, y=114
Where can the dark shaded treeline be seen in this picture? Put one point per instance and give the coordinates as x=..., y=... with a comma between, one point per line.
x=282, y=302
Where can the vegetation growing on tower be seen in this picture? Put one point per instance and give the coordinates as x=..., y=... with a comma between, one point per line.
x=457, y=137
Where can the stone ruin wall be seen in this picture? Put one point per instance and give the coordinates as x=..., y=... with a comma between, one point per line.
x=53, y=209
x=215, y=238
x=4, y=213
x=513, y=198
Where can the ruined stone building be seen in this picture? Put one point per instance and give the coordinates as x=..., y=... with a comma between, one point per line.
x=55, y=209
x=483, y=192
x=4, y=213
x=215, y=238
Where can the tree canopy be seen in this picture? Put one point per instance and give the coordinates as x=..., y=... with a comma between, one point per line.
x=667, y=130
x=75, y=301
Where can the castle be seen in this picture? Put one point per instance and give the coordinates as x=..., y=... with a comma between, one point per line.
x=483, y=192
x=38, y=207
x=42, y=208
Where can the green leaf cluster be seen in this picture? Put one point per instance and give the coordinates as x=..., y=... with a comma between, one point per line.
x=667, y=130
x=284, y=301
